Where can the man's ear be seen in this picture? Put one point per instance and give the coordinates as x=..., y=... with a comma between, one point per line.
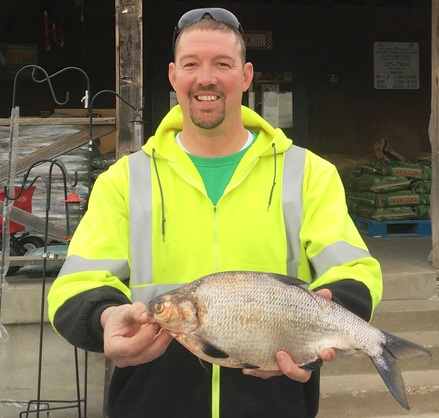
x=248, y=76
x=171, y=74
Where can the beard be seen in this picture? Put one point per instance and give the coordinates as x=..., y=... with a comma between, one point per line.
x=208, y=119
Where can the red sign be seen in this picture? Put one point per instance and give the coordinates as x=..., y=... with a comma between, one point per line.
x=259, y=40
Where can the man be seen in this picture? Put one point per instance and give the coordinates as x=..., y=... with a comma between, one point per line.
x=215, y=189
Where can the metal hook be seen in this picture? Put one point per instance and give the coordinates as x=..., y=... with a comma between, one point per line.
x=48, y=82
x=62, y=71
x=137, y=109
x=90, y=142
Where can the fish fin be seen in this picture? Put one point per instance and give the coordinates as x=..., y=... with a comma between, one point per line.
x=395, y=348
x=315, y=365
x=204, y=364
x=401, y=348
x=249, y=366
x=210, y=350
x=289, y=280
x=391, y=375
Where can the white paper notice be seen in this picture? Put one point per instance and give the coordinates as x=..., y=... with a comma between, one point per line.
x=270, y=104
x=396, y=65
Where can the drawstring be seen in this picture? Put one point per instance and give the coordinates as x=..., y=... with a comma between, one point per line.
x=161, y=193
x=161, y=189
x=274, y=176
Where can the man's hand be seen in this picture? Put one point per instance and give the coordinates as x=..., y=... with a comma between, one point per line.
x=287, y=365
x=129, y=339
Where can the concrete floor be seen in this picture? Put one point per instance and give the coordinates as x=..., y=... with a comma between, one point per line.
x=402, y=254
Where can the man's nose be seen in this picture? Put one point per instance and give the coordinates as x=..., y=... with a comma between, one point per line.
x=206, y=75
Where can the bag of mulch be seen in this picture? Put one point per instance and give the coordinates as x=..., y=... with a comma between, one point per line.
x=385, y=152
x=423, y=186
x=422, y=212
x=104, y=161
x=382, y=184
x=385, y=214
x=385, y=200
x=350, y=181
x=396, y=168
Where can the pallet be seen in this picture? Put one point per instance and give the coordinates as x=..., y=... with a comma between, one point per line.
x=393, y=229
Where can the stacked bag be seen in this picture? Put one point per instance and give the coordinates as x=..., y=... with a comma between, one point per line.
x=390, y=189
x=102, y=163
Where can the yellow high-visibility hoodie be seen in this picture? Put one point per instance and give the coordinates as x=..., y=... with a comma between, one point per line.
x=150, y=224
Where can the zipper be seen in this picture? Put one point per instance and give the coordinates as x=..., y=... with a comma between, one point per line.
x=216, y=383
x=215, y=368
x=215, y=239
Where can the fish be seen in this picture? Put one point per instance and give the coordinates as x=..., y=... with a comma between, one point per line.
x=241, y=319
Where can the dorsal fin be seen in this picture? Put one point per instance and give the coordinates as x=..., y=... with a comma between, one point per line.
x=289, y=280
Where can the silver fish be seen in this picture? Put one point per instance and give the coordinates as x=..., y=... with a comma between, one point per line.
x=242, y=319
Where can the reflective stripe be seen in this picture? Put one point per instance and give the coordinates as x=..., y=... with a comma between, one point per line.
x=77, y=264
x=336, y=254
x=147, y=292
x=140, y=219
x=292, y=185
x=216, y=390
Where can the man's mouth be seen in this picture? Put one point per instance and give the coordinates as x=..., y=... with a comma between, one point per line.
x=206, y=98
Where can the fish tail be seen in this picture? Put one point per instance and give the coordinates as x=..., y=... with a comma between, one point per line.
x=396, y=348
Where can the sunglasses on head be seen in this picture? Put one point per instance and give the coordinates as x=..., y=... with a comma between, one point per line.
x=218, y=14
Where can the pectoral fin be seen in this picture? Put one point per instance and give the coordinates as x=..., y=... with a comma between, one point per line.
x=210, y=350
x=315, y=365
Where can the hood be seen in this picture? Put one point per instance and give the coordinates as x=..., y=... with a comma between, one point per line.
x=164, y=139
x=269, y=143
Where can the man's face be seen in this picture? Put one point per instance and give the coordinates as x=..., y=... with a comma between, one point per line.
x=209, y=76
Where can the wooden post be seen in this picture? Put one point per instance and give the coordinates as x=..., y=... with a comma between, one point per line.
x=129, y=73
x=129, y=85
x=434, y=131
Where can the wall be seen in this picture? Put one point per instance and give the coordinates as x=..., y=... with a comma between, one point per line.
x=310, y=40
x=21, y=310
x=313, y=41
x=346, y=118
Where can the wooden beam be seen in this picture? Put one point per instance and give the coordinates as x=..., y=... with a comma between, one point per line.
x=129, y=73
x=35, y=223
x=33, y=260
x=59, y=121
x=434, y=132
x=58, y=148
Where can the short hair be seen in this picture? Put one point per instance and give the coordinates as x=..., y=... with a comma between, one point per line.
x=207, y=23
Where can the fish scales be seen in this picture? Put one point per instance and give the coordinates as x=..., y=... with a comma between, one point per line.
x=242, y=319
x=262, y=315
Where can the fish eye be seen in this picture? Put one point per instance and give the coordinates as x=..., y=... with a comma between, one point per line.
x=158, y=307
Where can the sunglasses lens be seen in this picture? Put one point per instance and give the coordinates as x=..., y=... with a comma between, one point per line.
x=218, y=14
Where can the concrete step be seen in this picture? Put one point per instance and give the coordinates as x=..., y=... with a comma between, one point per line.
x=407, y=315
x=359, y=363
x=408, y=414
x=367, y=396
x=418, y=283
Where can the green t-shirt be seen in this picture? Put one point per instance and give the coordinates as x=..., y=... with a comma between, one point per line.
x=217, y=172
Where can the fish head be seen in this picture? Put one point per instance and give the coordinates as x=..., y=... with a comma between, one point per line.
x=175, y=313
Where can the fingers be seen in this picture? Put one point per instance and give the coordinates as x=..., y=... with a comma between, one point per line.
x=129, y=339
x=326, y=293
x=142, y=351
x=328, y=355
x=291, y=369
